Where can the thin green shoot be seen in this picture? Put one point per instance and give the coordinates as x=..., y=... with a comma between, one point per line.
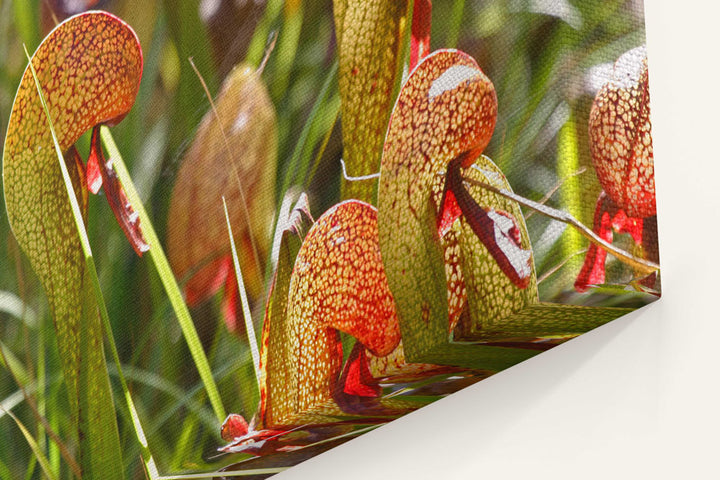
x=10, y=362
x=287, y=47
x=40, y=419
x=39, y=454
x=185, y=444
x=557, y=267
x=456, y=21
x=16, y=398
x=291, y=171
x=316, y=163
x=574, y=196
x=167, y=277
x=272, y=40
x=557, y=187
x=273, y=8
x=170, y=412
x=160, y=384
x=41, y=407
x=249, y=326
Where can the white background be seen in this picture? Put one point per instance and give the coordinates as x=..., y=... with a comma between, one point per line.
x=638, y=398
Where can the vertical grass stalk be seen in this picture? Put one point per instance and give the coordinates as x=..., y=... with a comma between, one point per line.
x=39, y=455
x=254, y=56
x=249, y=327
x=167, y=277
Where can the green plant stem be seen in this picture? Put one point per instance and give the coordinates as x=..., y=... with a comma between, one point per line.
x=183, y=397
x=455, y=24
x=42, y=422
x=42, y=459
x=273, y=9
x=249, y=326
x=309, y=176
x=287, y=47
x=293, y=165
x=166, y=276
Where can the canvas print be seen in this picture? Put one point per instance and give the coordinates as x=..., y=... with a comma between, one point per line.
x=237, y=234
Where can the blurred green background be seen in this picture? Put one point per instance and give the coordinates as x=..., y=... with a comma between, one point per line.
x=546, y=59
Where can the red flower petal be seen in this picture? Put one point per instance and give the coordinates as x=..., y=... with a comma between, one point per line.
x=420, y=33
x=356, y=378
x=121, y=207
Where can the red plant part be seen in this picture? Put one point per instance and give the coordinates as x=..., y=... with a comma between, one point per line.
x=338, y=283
x=609, y=218
x=356, y=378
x=118, y=201
x=621, y=146
x=620, y=136
x=443, y=119
x=233, y=427
x=89, y=69
x=233, y=155
x=497, y=230
x=420, y=32
x=245, y=439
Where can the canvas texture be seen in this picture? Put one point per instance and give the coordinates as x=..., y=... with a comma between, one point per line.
x=238, y=234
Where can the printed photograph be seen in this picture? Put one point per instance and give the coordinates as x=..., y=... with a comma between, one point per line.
x=236, y=234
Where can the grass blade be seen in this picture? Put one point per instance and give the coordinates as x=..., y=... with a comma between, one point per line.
x=25, y=14
x=39, y=454
x=293, y=166
x=169, y=282
x=287, y=46
x=574, y=196
x=254, y=56
x=455, y=24
x=42, y=422
x=250, y=328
